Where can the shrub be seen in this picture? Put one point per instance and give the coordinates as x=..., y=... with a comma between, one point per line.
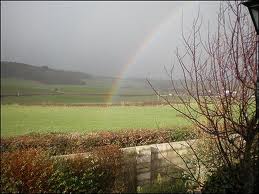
x=54, y=143
x=25, y=171
x=33, y=171
x=96, y=173
x=181, y=134
x=224, y=180
x=61, y=143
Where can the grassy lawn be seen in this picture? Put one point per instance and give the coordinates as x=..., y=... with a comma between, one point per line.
x=18, y=120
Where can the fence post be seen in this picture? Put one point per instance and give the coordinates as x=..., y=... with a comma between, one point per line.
x=130, y=171
x=154, y=164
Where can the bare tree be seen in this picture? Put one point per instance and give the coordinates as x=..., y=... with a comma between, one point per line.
x=219, y=76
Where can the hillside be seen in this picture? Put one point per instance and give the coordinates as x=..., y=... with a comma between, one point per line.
x=42, y=74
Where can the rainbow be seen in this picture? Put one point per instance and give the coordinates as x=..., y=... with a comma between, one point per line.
x=149, y=39
x=132, y=60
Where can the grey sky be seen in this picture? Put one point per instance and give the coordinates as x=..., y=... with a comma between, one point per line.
x=97, y=37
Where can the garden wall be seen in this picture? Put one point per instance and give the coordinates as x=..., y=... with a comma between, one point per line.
x=144, y=164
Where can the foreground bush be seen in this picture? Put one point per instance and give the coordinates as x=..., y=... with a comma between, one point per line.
x=96, y=173
x=225, y=180
x=33, y=171
x=25, y=171
x=58, y=143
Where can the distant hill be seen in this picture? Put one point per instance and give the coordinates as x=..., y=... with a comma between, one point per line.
x=42, y=74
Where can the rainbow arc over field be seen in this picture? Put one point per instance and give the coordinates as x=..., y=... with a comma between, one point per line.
x=149, y=39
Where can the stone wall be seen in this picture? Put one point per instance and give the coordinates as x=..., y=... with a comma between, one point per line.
x=149, y=161
x=143, y=164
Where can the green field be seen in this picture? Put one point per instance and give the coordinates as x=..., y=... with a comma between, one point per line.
x=40, y=110
x=18, y=120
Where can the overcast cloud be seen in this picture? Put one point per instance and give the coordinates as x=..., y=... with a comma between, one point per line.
x=97, y=37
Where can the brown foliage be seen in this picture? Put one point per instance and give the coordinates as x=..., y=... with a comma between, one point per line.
x=33, y=171
x=25, y=171
x=57, y=144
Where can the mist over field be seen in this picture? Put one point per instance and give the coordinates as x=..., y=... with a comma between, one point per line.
x=118, y=39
